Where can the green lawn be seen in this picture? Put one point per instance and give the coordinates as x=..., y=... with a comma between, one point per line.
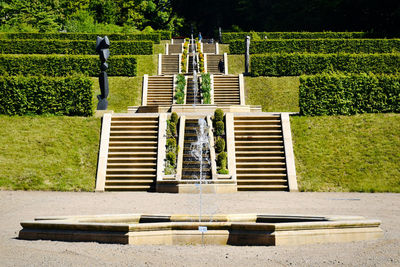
x=124, y=92
x=273, y=93
x=235, y=64
x=48, y=153
x=348, y=153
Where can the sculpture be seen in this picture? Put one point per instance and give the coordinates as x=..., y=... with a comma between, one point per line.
x=102, y=48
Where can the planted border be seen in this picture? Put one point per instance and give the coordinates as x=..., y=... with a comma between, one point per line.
x=298, y=64
x=230, y=36
x=206, y=88
x=71, y=96
x=340, y=94
x=64, y=65
x=180, y=89
x=76, y=47
x=155, y=37
x=171, y=145
x=317, y=46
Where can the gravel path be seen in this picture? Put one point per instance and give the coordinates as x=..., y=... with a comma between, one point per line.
x=18, y=206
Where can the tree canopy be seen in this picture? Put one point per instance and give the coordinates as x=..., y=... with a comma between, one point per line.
x=180, y=16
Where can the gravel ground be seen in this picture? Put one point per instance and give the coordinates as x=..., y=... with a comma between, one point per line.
x=16, y=206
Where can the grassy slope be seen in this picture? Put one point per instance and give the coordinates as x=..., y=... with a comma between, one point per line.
x=273, y=93
x=48, y=153
x=354, y=153
x=127, y=91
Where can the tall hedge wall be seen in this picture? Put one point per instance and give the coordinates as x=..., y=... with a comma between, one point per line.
x=317, y=46
x=165, y=35
x=155, y=37
x=230, y=36
x=63, y=65
x=297, y=64
x=341, y=94
x=77, y=47
x=72, y=96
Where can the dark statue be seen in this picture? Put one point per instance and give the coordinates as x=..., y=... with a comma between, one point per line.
x=102, y=48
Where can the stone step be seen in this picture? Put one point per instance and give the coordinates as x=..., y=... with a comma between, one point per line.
x=129, y=182
x=259, y=159
x=130, y=176
x=259, y=148
x=260, y=170
x=128, y=188
x=262, y=181
x=131, y=160
x=262, y=187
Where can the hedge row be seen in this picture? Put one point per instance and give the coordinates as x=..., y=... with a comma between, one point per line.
x=165, y=35
x=317, y=46
x=155, y=37
x=340, y=94
x=230, y=36
x=72, y=96
x=63, y=65
x=298, y=64
x=77, y=47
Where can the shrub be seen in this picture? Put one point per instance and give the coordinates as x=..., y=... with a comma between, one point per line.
x=70, y=96
x=174, y=118
x=180, y=89
x=340, y=94
x=76, y=47
x=218, y=115
x=219, y=128
x=172, y=128
x=298, y=64
x=219, y=145
x=223, y=171
x=155, y=37
x=206, y=88
x=171, y=143
x=221, y=160
x=164, y=34
x=229, y=36
x=64, y=65
x=317, y=46
x=171, y=158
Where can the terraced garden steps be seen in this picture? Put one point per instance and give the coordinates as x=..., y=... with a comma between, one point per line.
x=191, y=165
x=170, y=64
x=160, y=91
x=226, y=90
x=260, y=153
x=174, y=49
x=209, y=48
x=212, y=63
x=132, y=154
x=190, y=94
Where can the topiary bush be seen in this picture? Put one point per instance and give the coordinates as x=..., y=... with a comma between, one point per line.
x=171, y=158
x=221, y=160
x=219, y=145
x=218, y=115
x=174, y=118
x=71, y=96
x=219, y=128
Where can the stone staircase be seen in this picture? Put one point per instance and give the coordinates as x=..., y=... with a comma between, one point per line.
x=178, y=40
x=132, y=154
x=209, y=48
x=190, y=92
x=170, y=64
x=190, y=64
x=160, y=90
x=175, y=49
x=260, y=154
x=212, y=63
x=226, y=90
x=191, y=166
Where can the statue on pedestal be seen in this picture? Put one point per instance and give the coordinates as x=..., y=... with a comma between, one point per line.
x=102, y=48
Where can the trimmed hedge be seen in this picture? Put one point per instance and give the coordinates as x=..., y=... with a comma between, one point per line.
x=73, y=47
x=317, y=46
x=298, y=64
x=341, y=94
x=230, y=36
x=155, y=37
x=165, y=35
x=63, y=65
x=70, y=96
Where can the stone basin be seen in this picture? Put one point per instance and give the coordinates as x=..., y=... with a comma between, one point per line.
x=221, y=229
